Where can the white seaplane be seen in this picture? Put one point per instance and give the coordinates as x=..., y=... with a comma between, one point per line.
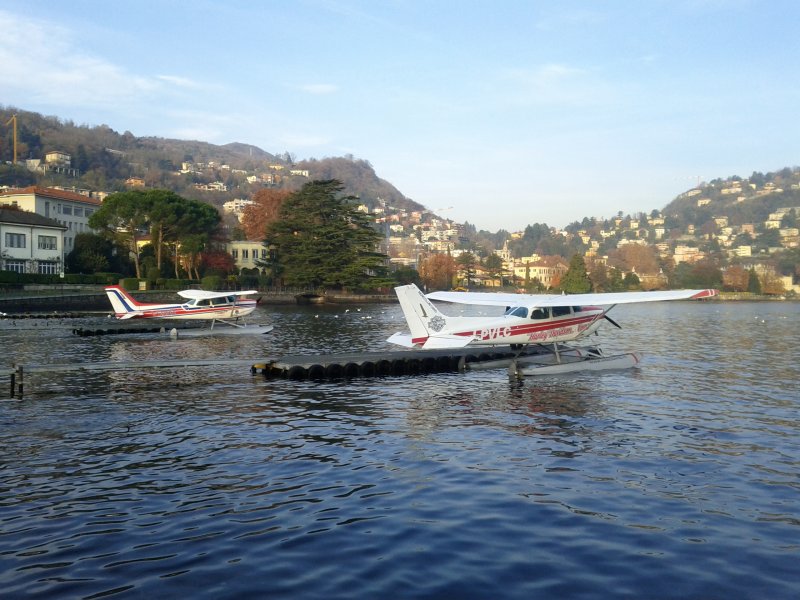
x=541, y=320
x=226, y=308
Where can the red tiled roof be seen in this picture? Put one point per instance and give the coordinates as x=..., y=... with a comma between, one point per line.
x=52, y=193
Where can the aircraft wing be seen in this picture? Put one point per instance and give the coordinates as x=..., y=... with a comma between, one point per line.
x=606, y=299
x=602, y=299
x=205, y=295
x=488, y=298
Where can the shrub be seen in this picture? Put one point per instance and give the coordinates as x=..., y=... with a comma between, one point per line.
x=211, y=282
x=130, y=283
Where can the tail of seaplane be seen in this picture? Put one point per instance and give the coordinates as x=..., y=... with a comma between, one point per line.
x=125, y=307
x=428, y=326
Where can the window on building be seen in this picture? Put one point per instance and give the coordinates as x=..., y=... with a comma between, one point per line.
x=15, y=240
x=48, y=242
x=47, y=267
x=66, y=210
x=78, y=212
x=245, y=254
x=235, y=254
x=18, y=266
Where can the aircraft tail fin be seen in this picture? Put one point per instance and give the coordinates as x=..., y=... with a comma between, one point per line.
x=123, y=303
x=424, y=321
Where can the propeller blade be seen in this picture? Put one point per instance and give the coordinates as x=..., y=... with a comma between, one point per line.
x=612, y=321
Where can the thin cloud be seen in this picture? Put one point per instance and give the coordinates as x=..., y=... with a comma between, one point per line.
x=181, y=82
x=41, y=62
x=551, y=84
x=319, y=89
x=560, y=20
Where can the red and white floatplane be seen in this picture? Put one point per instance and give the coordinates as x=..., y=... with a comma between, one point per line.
x=226, y=308
x=548, y=322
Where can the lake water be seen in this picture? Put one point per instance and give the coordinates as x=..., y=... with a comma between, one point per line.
x=677, y=479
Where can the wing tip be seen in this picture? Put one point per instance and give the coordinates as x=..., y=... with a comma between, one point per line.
x=710, y=293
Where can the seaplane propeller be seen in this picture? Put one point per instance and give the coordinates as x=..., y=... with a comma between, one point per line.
x=612, y=321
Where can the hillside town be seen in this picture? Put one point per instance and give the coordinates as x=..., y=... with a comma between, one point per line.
x=410, y=236
x=55, y=215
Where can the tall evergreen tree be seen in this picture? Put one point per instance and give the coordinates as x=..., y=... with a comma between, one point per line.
x=753, y=283
x=576, y=279
x=322, y=240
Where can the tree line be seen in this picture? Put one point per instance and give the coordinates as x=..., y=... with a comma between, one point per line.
x=315, y=237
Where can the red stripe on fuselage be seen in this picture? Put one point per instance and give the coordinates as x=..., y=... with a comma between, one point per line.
x=177, y=311
x=525, y=329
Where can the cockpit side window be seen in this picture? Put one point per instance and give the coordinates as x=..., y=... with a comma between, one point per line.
x=540, y=313
x=561, y=311
x=519, y=311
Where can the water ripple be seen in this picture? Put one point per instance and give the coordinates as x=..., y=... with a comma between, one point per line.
x=677, y=479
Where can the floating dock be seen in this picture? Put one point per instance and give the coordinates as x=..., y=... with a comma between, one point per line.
x=379, y=364
x=308, y=366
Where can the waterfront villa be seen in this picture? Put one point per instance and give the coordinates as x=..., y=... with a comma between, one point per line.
x=68, y=208
x=30, y=243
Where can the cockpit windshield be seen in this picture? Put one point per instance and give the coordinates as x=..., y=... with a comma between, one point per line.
x=516, y=311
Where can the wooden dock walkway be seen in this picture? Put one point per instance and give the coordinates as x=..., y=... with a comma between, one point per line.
x=304, y=366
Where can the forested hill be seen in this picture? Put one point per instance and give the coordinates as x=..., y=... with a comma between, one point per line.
x=749, y=200
x=102, y=159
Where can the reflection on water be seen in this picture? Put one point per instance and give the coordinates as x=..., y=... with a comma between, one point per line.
x=677, y=479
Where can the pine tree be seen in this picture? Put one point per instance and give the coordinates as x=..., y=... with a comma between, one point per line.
x=753, y=284
x=322, y=241
x=576, y=279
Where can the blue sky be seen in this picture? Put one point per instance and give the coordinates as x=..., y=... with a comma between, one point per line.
x=510, y=112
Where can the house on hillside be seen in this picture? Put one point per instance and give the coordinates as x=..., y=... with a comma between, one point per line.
x=56, y=158
x=548, y=271
x=245, y=253
x=30, y=243
x=237, y=206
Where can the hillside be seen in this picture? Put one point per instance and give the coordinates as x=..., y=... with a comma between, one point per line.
x=742, y=201
x=101, y=159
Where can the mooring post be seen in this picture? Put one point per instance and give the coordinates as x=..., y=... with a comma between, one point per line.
x=13, y=382
x=19, y=384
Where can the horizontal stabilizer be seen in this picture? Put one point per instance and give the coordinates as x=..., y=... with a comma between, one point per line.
x=401, y=339
x=129, y=315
